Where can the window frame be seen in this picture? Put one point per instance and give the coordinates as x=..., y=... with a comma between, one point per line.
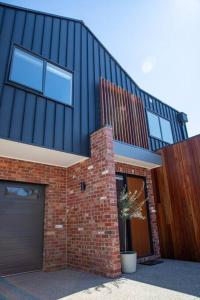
x=28, y=89
x=159, y=117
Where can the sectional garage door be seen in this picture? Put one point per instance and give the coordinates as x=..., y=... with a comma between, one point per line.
x=21, y=227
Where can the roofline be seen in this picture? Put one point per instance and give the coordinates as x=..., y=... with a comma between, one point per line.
x=155, y=98
x=40, y=12
x=95, y=37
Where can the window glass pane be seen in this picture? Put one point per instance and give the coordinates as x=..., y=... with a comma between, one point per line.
x=154, y=126
x=27, y=70
x=166, y=131
x=22, y=192
x=58, y=84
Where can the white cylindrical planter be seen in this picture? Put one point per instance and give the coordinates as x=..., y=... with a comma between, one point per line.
x=128, y=261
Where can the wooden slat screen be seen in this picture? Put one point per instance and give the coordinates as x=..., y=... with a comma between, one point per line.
x=125, y=113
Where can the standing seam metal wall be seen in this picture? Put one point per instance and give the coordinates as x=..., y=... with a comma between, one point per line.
x=27, y=117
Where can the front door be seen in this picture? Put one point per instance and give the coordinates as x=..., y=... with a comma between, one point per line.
x=138, y=230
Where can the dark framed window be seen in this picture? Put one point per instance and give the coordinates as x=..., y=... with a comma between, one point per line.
x=160, y=128
x=61, y=79
x=39, y=75
x=26, y=69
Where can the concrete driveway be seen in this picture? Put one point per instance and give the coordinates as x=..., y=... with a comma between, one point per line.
x=169, y=280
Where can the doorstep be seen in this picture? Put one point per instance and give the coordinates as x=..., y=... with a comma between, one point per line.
x=148, y=258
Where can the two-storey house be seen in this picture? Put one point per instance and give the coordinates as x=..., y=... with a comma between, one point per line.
x=74, y=128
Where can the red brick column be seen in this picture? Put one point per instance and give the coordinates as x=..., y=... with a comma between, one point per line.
x=92, y=219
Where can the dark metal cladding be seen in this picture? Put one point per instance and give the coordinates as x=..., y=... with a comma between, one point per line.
x=31, y=118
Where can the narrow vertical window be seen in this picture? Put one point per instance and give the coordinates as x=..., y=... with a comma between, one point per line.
x=166, y=131
x=154, y=125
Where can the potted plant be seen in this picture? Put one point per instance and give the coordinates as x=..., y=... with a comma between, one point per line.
x=130, y=206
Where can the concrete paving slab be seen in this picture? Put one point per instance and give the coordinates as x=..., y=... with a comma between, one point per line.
x=171, y=280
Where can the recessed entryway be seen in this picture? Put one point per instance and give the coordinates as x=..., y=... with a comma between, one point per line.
x=21, y=227
x=138, y=230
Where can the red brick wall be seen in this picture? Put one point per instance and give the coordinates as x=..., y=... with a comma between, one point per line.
x=128, y=169
x=92, y=218
x=89, y=239
x=55, y=204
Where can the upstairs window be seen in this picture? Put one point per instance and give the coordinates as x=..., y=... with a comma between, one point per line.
x=26, y=69
x=160, y=128
x=59, y=78
x=166, y=131
x=41, y=76
x=154, y=125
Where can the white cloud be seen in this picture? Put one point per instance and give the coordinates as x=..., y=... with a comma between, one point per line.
x=148, y=64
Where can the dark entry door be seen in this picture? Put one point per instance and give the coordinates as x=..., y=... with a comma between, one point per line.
x=139, y=228
x=21, y=227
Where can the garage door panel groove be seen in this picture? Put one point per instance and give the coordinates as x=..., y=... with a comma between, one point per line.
x=21, y=227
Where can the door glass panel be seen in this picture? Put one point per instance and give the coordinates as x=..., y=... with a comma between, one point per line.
x=26, y=69
x=120, y=185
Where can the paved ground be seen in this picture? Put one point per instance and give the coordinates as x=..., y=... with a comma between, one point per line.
x=170, y=280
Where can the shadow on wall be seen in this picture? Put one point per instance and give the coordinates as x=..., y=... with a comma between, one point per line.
x=174, y=277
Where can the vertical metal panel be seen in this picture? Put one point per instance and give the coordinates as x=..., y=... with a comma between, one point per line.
x=1, y=17
x=38, y=34
x=102, y=62
x=70, y=44
x=47, y=34
x=63, y=42
x=59, y=127
x=77, y=85
x=17, y=115
x=119, y=83
x=128, y=84
x=40, y=110
x=96, y=83
x=29, y=30
x=123, y=79
x=84, y=91
x=55, y=40
x=49, y=125
x=6, y=110
x=29, y=112
x=91, y=85
x=113, y=71
x=107, y=63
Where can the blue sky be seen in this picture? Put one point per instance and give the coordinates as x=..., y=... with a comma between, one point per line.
x=156, y=41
